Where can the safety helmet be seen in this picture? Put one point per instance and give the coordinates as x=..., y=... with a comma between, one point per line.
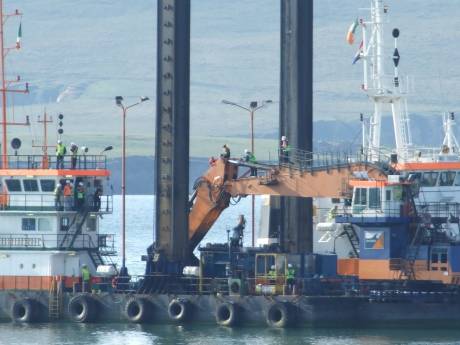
x=272, y=267
x=289, y=265
x=246, y=151
x=59, y=142
x=283, y=137
x=80, y=184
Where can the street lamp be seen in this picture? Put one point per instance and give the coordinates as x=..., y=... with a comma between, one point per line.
x=119, y=102
x=253, y=107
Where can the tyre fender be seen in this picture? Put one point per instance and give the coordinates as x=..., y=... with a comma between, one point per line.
x=228, y=314
x=137, y=310
x=24, y=310
x=279, y=315
x=179, y=310
x=82, y=308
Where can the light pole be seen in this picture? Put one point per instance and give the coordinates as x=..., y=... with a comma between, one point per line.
x=119, y=102
x=253, y=107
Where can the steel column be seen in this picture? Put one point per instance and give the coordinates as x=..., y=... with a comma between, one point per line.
x=172, y=130
x=296, y=114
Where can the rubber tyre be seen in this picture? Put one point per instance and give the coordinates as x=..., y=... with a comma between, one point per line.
x=179, y=310
x=227, y=314
x=279, y=315
x=24, y=310
x=82, y=309
x=136, y=310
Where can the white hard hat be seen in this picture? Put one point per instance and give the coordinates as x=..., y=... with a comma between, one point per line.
x=272, y=267
x=80, y=184
x=283, y=137
x=59, y=142
x=246, y=150
x=289, y=265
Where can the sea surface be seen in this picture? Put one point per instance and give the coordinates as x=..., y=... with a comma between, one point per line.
x=139, y=236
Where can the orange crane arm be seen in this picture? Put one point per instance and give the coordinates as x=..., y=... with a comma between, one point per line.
x=214, y=190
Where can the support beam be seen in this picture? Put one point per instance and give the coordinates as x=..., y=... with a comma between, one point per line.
x=172, y=130
x=296, y=114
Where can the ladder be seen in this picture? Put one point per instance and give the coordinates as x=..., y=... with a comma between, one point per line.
x=54, y=300
x=350, y=232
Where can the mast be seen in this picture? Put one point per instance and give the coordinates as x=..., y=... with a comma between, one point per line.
x=5, y=83
x=385, y=91
x=46, y=120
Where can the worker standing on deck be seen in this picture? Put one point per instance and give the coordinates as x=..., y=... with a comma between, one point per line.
x=97, y=199
x=238, y=232
x=284, y=150
x=58, y=197
x=74, y=153
x=225, y=152
x=85, y=278
x=332, y=213
x=80, y=196
x=60, y=153
x=68, y=196
x=290, y=278
x=250, y=158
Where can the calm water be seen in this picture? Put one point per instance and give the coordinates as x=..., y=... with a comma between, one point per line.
x=140, y=234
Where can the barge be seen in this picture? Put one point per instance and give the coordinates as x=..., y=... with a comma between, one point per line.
x=388, y=252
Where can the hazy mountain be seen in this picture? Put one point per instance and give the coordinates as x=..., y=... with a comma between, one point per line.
x=78, y=55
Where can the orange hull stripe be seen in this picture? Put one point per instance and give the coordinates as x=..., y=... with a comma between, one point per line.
x=53, y=172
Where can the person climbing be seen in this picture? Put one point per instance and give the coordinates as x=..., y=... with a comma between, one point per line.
x=225, y=152
x=212, y=161
x=74, y=155
x=68, y=191
x=85, y=279
x=60, y=153
x=58, y=197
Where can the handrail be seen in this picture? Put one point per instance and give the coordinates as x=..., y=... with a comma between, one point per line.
x=47, y=202
x=83, y=162
x=54, y=241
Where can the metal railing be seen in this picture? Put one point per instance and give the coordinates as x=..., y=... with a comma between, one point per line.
x=83, y=162
x=105, y=242
x=47, y=202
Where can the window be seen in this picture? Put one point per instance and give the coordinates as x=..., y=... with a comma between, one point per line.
x=434, y=258
x=64, y=224
x=447, y=178
x=13, y=185
x=44, y=224
x=360, y=196
x=388, y=195
x=91, y=224
x=457, y=179
x=429, y=179
x=30, y=185
x=47, y=185
x=444, y=258
x=261, y=265
x=28, y=224
x=374, y=198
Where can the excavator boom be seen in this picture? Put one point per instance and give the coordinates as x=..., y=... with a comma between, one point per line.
x=214, y=190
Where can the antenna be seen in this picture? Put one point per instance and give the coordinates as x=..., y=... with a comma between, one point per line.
x=5, y=84
x=45, y=146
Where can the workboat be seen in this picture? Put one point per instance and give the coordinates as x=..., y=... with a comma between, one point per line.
x=50, y=205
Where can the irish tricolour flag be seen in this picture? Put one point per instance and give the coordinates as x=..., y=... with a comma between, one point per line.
x=351, y=31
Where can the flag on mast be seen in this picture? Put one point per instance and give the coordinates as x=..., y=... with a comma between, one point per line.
x=358, y=53
x=18, y=39
x=351, y=32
